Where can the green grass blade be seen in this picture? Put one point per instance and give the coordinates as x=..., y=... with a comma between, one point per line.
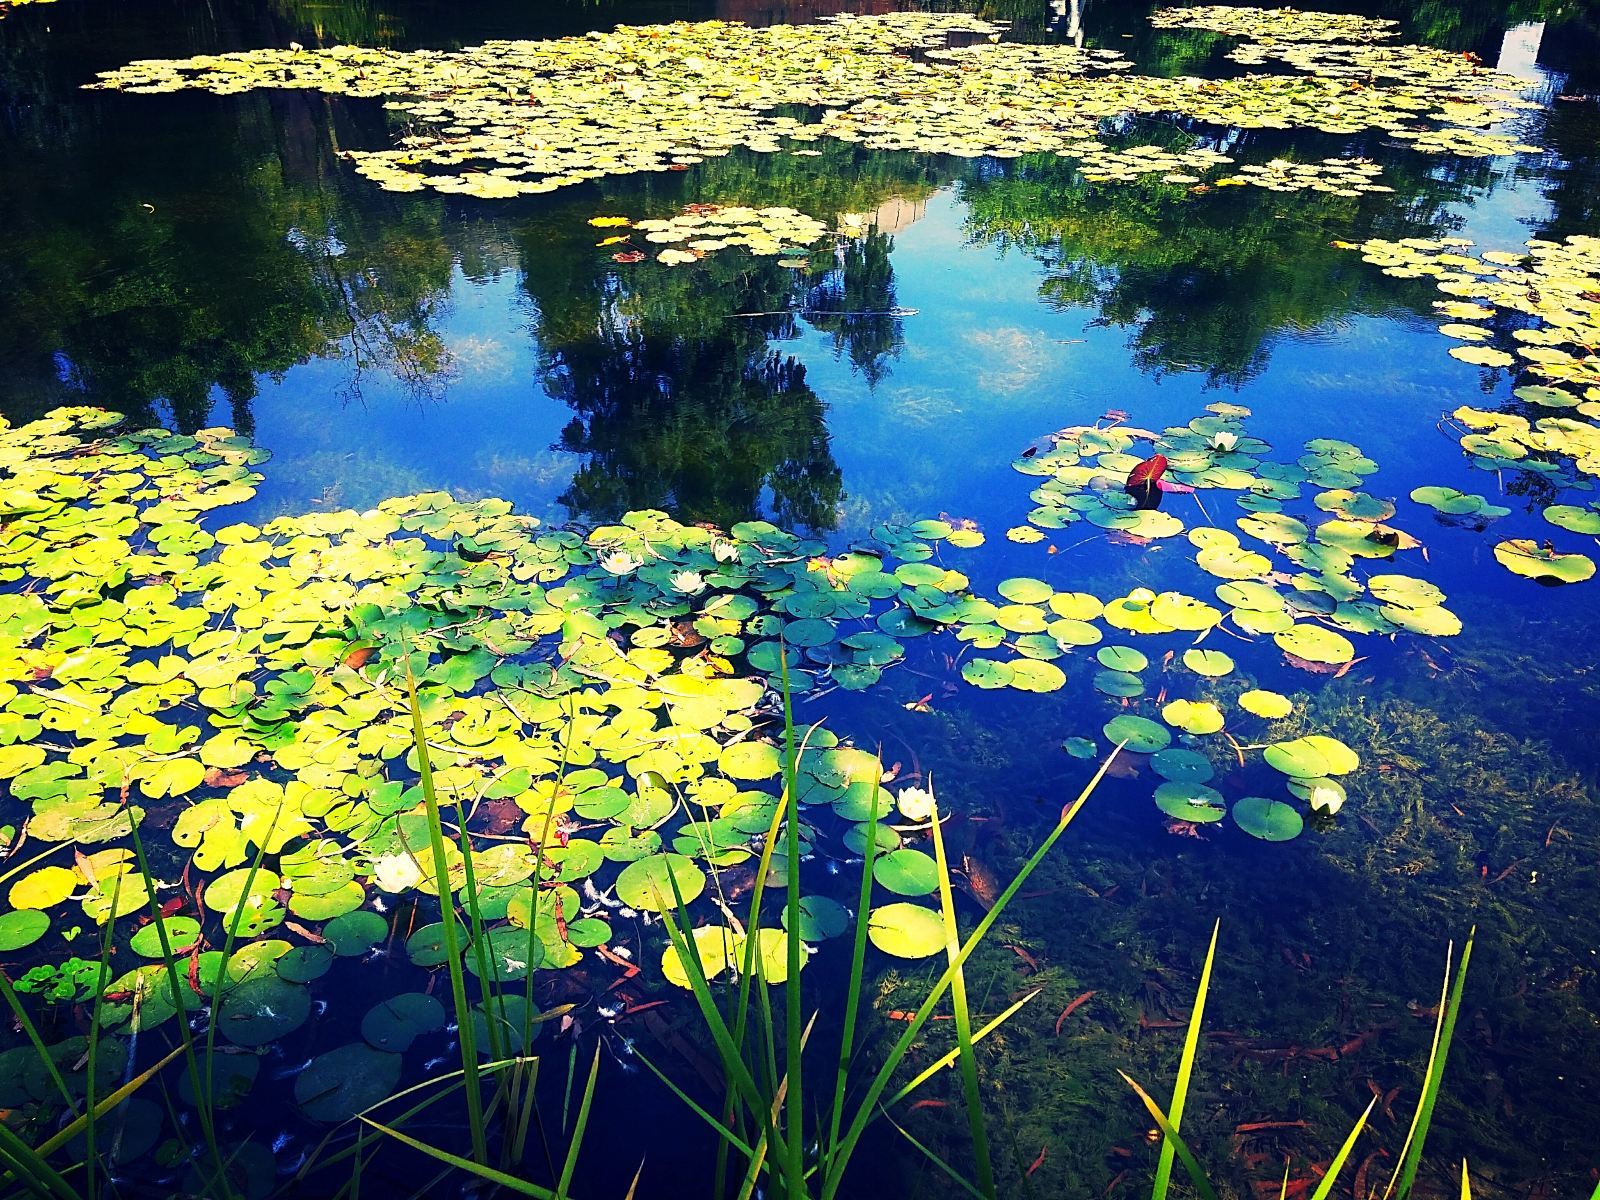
x=949, y=1057
x=858, y=961
x=575, y=1142
x=467, y=1039
x=66, y=1134
x=510, y=1182
x=479, y=945
x=840, y=1159
x=203, y=1110
x=733, y=1064
x=1405, y=1176
x=28, y=1027
x=722, y=1131
x=958, y=998
x=1191, y=1047
x=1174, y=1139
x=229, y=938
x=794, y=1107
x=91, y=1153
x=945, y=1168
x=31, y=1170
x=1325, y=1188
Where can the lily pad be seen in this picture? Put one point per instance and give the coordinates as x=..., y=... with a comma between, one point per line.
x=906, y=930
x=1269, y=820
x=343, y=1082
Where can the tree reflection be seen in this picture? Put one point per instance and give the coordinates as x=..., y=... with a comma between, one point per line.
x=678, y=402
x=157, y=280
x=1206, y=282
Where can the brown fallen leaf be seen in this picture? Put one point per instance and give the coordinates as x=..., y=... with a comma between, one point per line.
x=218, y=778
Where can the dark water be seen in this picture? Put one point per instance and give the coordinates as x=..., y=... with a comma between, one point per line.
x=198, y=260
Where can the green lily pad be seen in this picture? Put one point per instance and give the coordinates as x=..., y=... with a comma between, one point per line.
x=22, y=928
x=1543, y=564
x=906, y=872
x=393, y=1024
x=343, y=1082
x=906, y=930
x=648, y=884
x=1190, y=802
x=820, y=918
x=1266, y=704
x=1211, y=663
x=263, y=1009
x=1269, y=820
x=354, y=934
x=1142, y=735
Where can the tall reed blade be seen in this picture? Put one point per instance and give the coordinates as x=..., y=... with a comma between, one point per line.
x=1180, y=1090
x=958, y=998
x=794, y=1108
x=1405, y=1176
x=1171, y=1137
x=839, y=1161
x=510, y=1182
x=575, y=1142
x=452, y=943
x=1325, y=1188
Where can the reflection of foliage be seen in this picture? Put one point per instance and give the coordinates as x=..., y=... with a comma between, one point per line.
x=854, y=303
x=154, y=276
x=1204, y=281
x=678, y=403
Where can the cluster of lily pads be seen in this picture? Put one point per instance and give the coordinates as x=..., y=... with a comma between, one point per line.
x=1536, y=313
x=1299, y=580
x=1099, y=163
x=1336, y=176
x=702, y=229
x=599, y=709
x=1269, y=26
x=508, y=118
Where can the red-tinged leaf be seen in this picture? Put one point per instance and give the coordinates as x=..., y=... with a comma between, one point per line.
x=1070, y=1009
x=218, y=778
x=360, y=657
x=1148, y=472
x=194, y=969
x=629, y=256
x=1038, y=1162
x=930, y=1104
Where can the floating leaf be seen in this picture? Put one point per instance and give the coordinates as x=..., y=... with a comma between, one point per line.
x=1269, y=820
x=906, y=930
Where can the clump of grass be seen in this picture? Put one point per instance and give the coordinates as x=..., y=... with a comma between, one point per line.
x=1401, y=1183
x=765, y=1111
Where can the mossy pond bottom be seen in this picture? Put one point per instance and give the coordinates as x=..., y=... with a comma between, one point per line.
x=438, y=447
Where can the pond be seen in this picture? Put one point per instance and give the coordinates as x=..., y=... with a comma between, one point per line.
x=438, y=443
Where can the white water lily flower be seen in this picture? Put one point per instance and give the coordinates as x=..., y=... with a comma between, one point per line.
x=915, y=804
x=620, y=562
x=690, y=583
x=396, y=872
x=1224, y=440
x=724, y=551
x=1326, y=800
